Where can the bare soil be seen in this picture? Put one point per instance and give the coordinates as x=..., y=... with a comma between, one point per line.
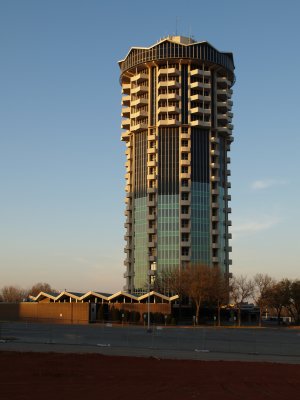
x=59, y=376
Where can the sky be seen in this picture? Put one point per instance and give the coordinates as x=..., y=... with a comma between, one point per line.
x=61, y=158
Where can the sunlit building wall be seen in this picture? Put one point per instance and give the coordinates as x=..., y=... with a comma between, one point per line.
x=176, y=109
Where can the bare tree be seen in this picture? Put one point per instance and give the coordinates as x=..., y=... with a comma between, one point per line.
x=278, y=296
x=294, y=304
x=13, y=294
x=218, y=291
x=262, y=284
x=196, y=282
x=241, y=289
x=41, y=287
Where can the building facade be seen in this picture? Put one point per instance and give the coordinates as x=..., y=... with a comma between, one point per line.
x=176, y=109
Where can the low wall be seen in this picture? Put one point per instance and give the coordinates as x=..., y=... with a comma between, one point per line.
x=66, y=313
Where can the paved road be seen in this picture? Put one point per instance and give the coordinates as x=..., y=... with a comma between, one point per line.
x=267, y=344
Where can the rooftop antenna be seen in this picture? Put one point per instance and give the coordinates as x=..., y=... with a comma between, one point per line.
x=176, y=26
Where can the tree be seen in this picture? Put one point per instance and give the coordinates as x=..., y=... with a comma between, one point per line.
x=41, y=287
x=218, y=291
x=294, y=305
x=262, y=284
x=196, y=283
x=241, y=288
x=278, y=296
x=13, y=294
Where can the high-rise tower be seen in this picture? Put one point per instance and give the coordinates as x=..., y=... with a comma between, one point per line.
x=177, y=129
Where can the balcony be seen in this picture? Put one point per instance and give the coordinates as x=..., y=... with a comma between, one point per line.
x=185, y=175
x=138, y=78
x=215, y=178
x=139, y=114
x=229, y=223
x=125, y=124
x=139, y=127
x=215, y=218
x=215, y=205
x=228, y=209
x=185, y=229
x=151, y=244
x=215, y=165
x=127, y=274
x=151, y=231
x=125, y=136
x=199, y=72
x=151, y=217
x=223, y=117
x=185, y=202
x=228, y=160
x=200, y=85
x=229, y=236
x=215, y=259
x=214, y=139
x=185, y=216
x=215, y=152
x=168, y=96
x=185, y=136
x=151, y=177
x=223, y=80
x=185, y=162
x=170, y=109
x=186, y=243
x=215, y=245
x=151, y=150
x=126, y=88
x=141, y=101
x=126, y=101
x=222, y=105
x=168, y=71
x=199, y=110
x=185, y=148
x=152, y=163
x=139, y=89
x=198, y=122
x=171, y=83
x=151, y=190
x=228, y=172
x=186, y=258
x=223, y=129
x=215, y=191
x=125, y=112
x=199, y=97
x=168, y=122
x=215, y=232
x=186, y=188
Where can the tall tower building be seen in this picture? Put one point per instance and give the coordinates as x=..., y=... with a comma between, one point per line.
x=176, y=109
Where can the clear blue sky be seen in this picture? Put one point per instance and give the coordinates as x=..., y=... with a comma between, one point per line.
x=61, y=159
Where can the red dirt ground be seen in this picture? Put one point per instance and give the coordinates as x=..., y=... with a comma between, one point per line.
x=57, y=376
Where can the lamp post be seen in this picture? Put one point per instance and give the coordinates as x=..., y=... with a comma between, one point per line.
x=151, y=278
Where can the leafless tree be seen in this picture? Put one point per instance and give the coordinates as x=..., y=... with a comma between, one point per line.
x=294, y=304
x=262, y=284
x=219, y=291
x=278, y=296
x=41, y=287
x=196, y=282
x=241, y=289
x=13, y=294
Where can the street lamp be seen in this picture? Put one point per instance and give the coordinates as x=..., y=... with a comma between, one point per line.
x=151, y=279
